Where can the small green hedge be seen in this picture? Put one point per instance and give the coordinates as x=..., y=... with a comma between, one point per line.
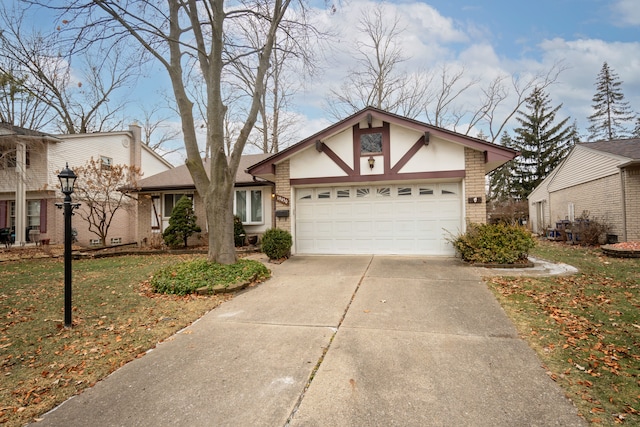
x=186, y=277
x=494, y=244
x=276, y=243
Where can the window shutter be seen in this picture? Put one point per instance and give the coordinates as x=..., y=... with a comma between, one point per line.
x=3, y=213
x=43, y=216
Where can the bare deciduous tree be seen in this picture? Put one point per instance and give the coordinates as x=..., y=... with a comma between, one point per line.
x=185, y=35
x=377, y=80
x=100, y=189
x=78, y=90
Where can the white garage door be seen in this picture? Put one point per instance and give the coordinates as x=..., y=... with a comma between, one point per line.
x=384, y=219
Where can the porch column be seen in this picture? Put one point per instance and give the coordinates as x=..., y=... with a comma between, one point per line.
x=21, y=193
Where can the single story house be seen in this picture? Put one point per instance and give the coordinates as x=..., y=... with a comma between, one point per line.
x=158, y=194
x=601, y=179
x=373, y=183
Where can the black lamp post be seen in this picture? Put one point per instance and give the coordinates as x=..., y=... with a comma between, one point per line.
x=67, y=180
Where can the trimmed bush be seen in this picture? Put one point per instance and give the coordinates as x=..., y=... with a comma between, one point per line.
x=276, y=243
x=182, y=223
x=186, y=277
x=238, y=232
x=494, y=243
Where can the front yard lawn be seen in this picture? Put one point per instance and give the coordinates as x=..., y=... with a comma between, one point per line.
x=585, y=328
x=116, y=318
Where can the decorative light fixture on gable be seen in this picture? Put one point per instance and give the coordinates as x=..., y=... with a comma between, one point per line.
x=372, y=162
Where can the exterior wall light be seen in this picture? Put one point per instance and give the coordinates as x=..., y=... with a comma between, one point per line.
x=372, y=162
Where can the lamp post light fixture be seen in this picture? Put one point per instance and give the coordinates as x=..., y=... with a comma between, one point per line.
x=67, y=181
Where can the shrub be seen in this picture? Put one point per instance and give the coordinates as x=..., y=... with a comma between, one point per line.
x=186, y=277
x=276, y=243
x=182, y=223
x=238, y=232
x=591, y=232
x=494, y=243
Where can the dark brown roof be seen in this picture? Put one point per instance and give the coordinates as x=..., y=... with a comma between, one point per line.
x=495, y=155
x=180, y=178
x=629, y=148
x=9, y=130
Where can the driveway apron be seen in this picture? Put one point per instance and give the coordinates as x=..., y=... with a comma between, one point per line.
x=337, y=341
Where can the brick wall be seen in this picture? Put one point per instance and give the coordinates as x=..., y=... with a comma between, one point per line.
x=475, y=186
x=602, y=198
x=283, y=188
x=632, y=194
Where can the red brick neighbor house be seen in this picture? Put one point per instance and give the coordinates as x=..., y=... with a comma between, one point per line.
x=373, y=183
x=601, y=179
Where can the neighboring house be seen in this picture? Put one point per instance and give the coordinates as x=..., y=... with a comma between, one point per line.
x=601, y=179
x=379, y=183
x=158, y=194
x=29, y=186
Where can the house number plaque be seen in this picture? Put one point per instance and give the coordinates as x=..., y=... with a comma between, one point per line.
x=475, y=199
x=282, y=199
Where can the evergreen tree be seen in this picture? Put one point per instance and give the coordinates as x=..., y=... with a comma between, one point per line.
x=542, y=142
x=501, y=180
x=182, y=223
x=636, y=129
x=611, y=112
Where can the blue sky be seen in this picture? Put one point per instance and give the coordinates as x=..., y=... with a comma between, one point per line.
x=487, y=38
x=514, y=37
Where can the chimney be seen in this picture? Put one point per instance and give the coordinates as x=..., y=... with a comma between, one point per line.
x=135, y=148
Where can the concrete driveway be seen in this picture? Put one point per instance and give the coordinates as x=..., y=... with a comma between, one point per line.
x=338, y=341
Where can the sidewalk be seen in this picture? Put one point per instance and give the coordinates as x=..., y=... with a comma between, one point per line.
x=395, y=341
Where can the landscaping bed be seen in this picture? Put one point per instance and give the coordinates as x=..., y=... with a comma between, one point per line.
x=623, y=250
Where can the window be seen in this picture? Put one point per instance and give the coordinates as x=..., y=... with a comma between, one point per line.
x=116, y=240
x=425, y=191
x=33, y=214
x=404, y=191
x=448, y=189
x=9, y=159
x=170, y=200
x=384, y=191
x=324, y=194
x=248, y=206
x=304, y=194
x=12, y=215
x=362, y=192
x=343, y=194
x=105, y=162
x=371, y=143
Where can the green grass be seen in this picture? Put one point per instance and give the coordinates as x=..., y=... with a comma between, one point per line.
x=584, y=327
x=116, y=315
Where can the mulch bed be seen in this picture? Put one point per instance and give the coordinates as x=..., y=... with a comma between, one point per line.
x=622, y=250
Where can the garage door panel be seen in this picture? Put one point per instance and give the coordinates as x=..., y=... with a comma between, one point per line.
x=395, y=222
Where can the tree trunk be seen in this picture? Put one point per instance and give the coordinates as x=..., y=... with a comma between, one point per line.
x=219, y=207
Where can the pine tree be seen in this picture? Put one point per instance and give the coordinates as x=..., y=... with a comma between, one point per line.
x=501, y=179
x=542, y=142
x=611, y=112
x=182, y=223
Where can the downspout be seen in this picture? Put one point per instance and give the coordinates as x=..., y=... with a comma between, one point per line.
x=624, y=206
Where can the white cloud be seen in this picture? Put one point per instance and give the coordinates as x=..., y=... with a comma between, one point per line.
x=626, y=12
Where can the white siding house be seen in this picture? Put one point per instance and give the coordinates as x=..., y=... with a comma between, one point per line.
x=29, y=188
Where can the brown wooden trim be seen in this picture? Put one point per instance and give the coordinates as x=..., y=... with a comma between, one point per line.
x=453, y=174
x=408, y=155
x=386, y=145
x=337, y=160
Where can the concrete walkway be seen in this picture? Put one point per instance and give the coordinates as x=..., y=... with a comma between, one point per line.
x=338, y=341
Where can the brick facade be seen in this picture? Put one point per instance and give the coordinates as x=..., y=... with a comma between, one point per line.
x=632, y=202
x=475, y=186
x=591, y=198
x=283, y=188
